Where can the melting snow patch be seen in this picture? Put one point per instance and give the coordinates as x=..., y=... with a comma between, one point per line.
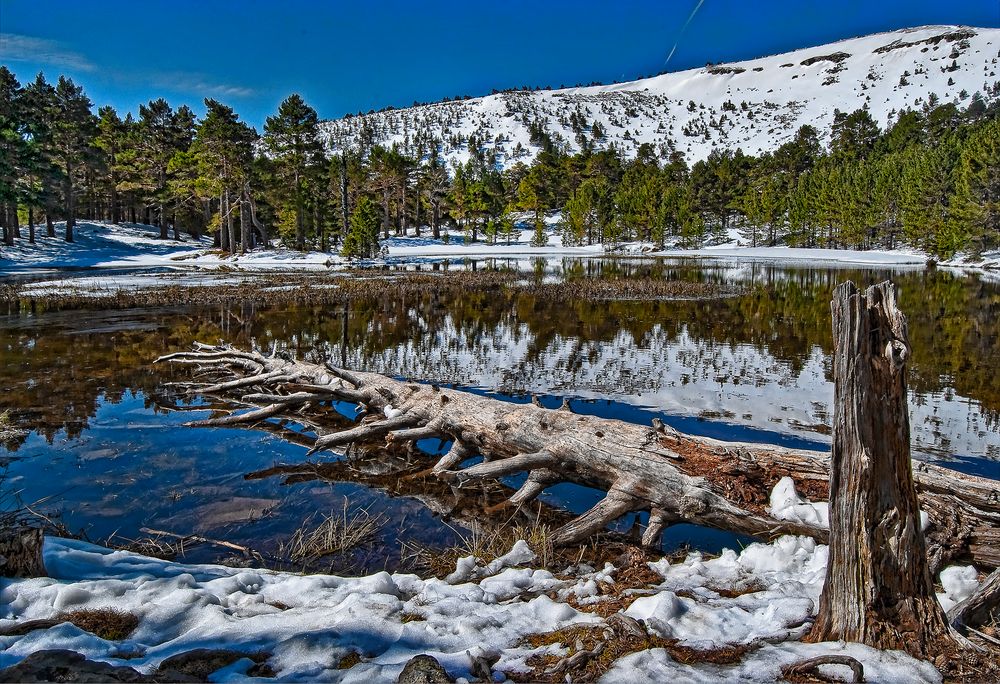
x=959, y=583
x=766, y=593
x=786, y=504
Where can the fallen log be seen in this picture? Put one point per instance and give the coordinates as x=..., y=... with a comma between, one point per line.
x=655, y=469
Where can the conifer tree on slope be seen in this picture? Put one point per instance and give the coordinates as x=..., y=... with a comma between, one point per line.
x=111, y=131
x=73, y=133
x=292, y=138
x=163, y=133
x=14, y=150
x=361, y=241
x=223, y=149
x=43, y=112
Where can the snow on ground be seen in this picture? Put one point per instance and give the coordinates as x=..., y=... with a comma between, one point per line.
x=787, y=504
x=128, y=245
x=97, y=245
x=133, y=246
x=309, y=623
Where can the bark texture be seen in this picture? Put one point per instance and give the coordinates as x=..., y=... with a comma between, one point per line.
x=878, y=588
x=21, y=553
x=655, y=469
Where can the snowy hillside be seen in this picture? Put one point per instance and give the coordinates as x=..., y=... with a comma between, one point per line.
x=756, y=105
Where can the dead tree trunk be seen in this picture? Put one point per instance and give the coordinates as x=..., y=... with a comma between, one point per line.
x=672, y=476
x=878, y=588
x=21, y=553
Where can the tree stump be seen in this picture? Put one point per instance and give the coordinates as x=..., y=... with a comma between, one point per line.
x=878, y=588
x=21, y=552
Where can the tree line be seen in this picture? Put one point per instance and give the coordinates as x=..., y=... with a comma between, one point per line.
x=930, y=180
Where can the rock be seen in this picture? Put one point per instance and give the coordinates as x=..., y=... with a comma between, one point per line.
x=67, y=666
x=197, y=665
x=423, y=669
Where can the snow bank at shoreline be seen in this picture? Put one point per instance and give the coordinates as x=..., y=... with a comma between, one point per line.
x=133, y=246
x=308, y=624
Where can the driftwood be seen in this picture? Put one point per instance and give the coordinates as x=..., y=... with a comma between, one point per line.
x=808, y=669
x=672, y=476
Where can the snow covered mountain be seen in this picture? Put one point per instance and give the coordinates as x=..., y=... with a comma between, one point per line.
x=756, y=105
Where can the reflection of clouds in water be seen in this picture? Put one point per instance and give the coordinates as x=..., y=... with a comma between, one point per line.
x=191, y=480
x=678, y=374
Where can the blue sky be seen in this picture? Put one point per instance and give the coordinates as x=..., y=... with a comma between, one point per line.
x=347, y=57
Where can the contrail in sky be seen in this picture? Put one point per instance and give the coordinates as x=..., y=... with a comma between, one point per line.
x=683, y=29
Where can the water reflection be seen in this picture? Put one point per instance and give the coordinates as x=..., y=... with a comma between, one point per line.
x=756, y=366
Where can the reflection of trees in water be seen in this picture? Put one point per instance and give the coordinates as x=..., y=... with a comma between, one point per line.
x=57, y=366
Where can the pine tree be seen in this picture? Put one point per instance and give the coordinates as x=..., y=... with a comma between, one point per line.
x=292, y=138
x=435, y=189
x=928, y=188
x=73, y=133
x=111, y=132
x=762, y=207
x=853, y=135
x=977, y=187
x=40, y=101
x=162, y=133
x=15, y=151
x=223, y=151
x=361, y=241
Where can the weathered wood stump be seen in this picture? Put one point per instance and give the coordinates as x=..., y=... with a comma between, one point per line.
x=878, y=588
x=21, y=552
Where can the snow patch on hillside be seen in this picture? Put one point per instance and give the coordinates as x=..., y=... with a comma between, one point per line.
x=756, y=105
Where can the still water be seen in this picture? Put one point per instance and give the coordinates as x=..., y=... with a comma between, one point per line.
x=109, y=449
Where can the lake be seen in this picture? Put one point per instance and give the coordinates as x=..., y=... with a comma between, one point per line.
x=109, y=451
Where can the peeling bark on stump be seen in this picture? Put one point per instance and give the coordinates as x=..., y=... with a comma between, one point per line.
x=21, y=553
x=878, y=588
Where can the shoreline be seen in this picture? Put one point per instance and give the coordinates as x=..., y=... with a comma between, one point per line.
x=115, y=247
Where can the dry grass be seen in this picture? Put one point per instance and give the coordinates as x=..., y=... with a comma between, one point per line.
x=330, y=535
x=108, y=623
x=8, y=428
x=155, y=547
x=290, y=288
x=349, y=661
x=487, y=546
x=621, y=644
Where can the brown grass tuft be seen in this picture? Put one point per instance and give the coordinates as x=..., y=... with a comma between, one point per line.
x=618, y=646
x=486, y=546
x=349, y=661
x=108, y=623
x=331, y=535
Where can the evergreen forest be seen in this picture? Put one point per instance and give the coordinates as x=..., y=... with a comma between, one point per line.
x=929, y=181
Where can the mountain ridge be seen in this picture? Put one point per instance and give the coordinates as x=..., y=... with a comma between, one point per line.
x=754, y=104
